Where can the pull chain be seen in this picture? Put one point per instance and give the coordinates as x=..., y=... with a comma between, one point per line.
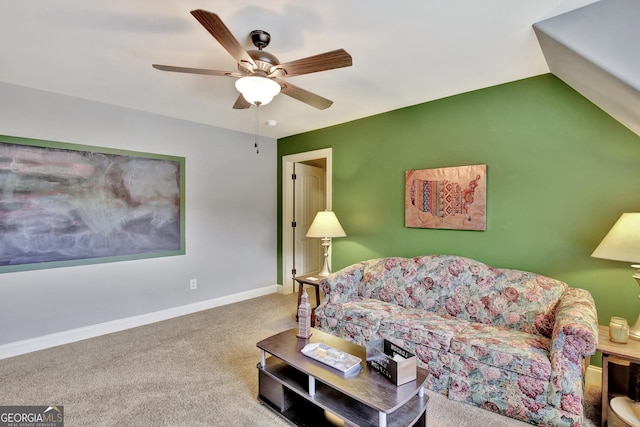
x=257, y=129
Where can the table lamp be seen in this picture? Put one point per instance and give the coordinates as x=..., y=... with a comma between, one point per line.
x=325, y=226
x=622, y=243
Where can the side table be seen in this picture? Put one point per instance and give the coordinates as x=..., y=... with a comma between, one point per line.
x=312, y=279
x=613, y=352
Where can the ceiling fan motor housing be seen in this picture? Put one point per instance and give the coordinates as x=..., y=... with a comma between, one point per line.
x=265, y=63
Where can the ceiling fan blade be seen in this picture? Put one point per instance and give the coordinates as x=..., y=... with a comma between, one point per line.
x=212, y=23
x=196, y=71
x=241, y=103
x=304, y=95
x=325, y=61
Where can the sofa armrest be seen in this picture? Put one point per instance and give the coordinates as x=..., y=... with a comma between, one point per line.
x=342, y=285
x=575, y=336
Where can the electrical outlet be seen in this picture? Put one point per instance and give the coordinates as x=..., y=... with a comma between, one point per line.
x=193, y=284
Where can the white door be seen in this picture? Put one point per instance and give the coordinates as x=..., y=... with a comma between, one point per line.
x=309, y=193
x=311, y=196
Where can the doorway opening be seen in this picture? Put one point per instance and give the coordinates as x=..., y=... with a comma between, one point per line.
x=306, y=189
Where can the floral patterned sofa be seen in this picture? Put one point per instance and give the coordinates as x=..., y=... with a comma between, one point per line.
x=508, y=341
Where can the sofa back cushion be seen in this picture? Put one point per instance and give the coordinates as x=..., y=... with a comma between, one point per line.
x=466, y=289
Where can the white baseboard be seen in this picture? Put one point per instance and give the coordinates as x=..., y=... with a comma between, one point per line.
x=47, y=341
x=593, y=375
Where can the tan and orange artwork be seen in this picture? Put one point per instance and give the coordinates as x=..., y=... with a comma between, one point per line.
x=452, y=198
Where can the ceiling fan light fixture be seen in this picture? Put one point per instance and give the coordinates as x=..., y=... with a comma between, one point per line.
x=257, y=90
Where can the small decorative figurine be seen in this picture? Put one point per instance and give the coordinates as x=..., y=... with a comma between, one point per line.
x=304, y=316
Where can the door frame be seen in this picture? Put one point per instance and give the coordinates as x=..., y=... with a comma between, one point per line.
x=287, y=205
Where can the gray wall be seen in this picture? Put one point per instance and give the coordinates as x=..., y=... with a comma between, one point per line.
x=230, y=219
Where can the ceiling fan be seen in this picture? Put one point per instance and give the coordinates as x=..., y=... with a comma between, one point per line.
x=260, y=74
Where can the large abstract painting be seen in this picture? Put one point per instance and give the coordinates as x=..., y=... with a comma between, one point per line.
x=450, y=198
x=65, y=204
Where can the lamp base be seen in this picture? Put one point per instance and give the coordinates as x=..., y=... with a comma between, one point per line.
x=325, y=270
x=325, y=267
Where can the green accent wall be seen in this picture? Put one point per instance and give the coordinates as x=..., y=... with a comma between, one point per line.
x=560, y=172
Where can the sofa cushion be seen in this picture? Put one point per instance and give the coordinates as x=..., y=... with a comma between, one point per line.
x=364, y=312
x=520, y=352
x=422, y=327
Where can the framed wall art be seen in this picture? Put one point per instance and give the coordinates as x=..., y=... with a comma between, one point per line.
x=450, y=198
x=66, y=204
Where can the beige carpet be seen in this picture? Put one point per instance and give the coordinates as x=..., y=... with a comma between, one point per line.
x=195, y=370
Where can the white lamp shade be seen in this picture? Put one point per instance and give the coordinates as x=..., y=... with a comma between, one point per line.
x=622, y=243
x=326, y=224
x=257, y=90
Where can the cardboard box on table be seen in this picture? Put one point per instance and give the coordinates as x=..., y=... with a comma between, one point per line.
x=393, y=362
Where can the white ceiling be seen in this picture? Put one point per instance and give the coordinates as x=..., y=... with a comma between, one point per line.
x=413, y=52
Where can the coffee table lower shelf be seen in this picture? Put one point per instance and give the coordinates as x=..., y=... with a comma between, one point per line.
x=285, y=390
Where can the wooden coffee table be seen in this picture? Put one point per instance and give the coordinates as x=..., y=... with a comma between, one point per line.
x=301, y=389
